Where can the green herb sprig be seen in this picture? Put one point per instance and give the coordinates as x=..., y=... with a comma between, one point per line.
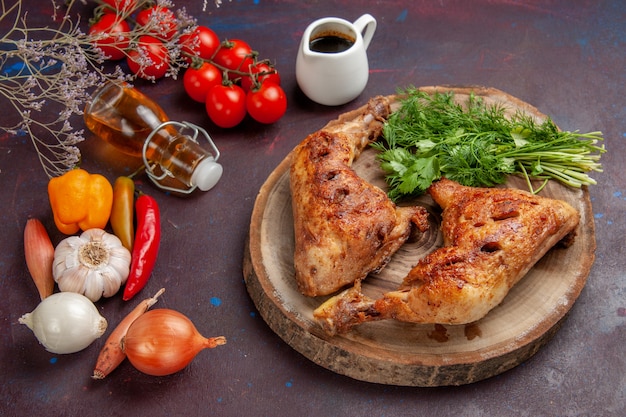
x=475, y=144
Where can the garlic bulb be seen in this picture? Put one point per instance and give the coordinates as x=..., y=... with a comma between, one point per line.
x=94, y=264
x=65, y=322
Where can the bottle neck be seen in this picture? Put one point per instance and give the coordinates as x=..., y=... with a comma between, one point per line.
x=160, y=142
x=177, y=155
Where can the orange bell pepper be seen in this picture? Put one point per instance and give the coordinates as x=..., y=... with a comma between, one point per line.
x=80, y=201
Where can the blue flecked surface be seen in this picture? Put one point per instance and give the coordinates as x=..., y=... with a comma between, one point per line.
x=567, y=58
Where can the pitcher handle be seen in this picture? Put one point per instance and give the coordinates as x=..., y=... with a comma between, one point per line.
x=366, y=24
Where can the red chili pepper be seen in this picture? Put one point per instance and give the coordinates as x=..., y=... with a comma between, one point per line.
x=146, y=246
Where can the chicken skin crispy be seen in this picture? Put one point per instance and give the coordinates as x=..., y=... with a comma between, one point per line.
x=344, y=226
x=492, y=238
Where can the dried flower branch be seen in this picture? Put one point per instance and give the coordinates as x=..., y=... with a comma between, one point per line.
x=45, y=79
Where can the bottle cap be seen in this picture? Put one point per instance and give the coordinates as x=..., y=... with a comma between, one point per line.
x=207, y=174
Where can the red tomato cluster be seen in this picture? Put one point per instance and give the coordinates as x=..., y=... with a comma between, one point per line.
x=225, y=76
x=232, y=83
x=144, y=45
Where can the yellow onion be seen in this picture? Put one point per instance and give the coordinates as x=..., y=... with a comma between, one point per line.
x=163, y=341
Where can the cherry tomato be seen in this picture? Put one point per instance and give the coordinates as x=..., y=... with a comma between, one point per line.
x=122, y=6
x=198, y=81
x=202, y=42
x=150, y=59
x=160, y=22
x=234, y=55
x=259, y=73
x=266, y=104
x=114, y=32
x=226, y=105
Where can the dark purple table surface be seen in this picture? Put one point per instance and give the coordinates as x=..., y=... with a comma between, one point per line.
x=564, y=57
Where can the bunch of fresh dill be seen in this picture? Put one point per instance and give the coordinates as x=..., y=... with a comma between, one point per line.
x=475, y=144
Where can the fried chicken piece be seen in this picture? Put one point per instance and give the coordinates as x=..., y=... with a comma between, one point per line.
x=492, y=237
x=344, y=226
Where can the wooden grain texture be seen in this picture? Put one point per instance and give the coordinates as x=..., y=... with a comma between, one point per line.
x=390, y=352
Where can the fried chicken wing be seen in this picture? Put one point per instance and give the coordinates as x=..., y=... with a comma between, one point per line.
x=492, y=237
x=344, y=226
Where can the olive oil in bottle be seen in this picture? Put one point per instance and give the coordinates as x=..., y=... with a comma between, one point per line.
x=136, y=125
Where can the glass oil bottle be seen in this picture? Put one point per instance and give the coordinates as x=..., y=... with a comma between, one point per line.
x=127, y=119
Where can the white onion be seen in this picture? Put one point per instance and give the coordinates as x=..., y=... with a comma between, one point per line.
x=65, y=322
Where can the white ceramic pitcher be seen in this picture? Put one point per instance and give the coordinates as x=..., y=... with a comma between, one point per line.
x=338, y=73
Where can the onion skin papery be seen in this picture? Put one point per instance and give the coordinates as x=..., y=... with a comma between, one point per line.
x=65, y=322
x=111, y=354
x=163, y=341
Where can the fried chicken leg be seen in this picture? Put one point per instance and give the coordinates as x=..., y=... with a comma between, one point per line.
x=492, y=237
x=344, y=226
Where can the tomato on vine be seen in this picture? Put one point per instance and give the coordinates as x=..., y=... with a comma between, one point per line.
x=160, y=21
x=197, y=81
x=234, y=55
x=150, y=59
x=113, y=35
x=259, y=73
x=226, y=105
x=266, y=104
x=202, y=42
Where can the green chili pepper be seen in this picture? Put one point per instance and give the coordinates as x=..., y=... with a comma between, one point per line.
x=122, y=211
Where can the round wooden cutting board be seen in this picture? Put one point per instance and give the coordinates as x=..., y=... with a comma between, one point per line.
x=390, y=352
